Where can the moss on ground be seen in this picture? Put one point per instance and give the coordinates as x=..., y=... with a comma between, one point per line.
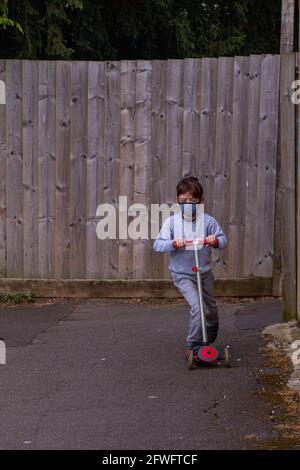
x=288, y=314
x=17, y=298
x=284, y=402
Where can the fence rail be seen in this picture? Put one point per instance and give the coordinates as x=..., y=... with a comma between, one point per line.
x=76, y=134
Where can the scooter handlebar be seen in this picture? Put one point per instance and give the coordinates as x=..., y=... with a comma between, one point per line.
x=197, y=242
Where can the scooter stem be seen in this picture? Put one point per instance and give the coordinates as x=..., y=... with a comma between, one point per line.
x=200, y=295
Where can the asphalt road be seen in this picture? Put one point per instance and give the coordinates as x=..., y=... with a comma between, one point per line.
x=94, y=375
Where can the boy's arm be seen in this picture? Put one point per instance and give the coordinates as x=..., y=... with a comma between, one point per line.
x=215, y=229
x=164, y=240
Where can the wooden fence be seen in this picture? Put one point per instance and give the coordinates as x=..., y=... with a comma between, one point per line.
x=76, y=134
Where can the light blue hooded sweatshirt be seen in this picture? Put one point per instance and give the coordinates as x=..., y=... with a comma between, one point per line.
x=182, y=260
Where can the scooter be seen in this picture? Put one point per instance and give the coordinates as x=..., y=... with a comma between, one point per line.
x=204, y=354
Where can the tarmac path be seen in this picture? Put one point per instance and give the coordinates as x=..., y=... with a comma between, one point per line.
x=104, y=375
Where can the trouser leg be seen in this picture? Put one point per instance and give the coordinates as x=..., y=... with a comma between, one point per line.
x=212, y=312
x=188, y=288
x=187, y=285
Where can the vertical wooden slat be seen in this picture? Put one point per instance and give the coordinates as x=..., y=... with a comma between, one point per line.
x=198, y=116
x=223, y=154
x=174, y=126
x=209, y=85
x=14, y=168
x=238, y=168
x=287, y=26
x=287, y=185
x=95, y=165
x=251, y=186
x=141, y=248
x=189, y=103
x=205, y=112
x=174, y=129
x=46, y=161
x=267, y=163
x=128, y=108
x=30, y=170
x=78, y=168
x=213, y=127
x=2, y=175
x=111, y=161
x=158, y=151
x=62, y=185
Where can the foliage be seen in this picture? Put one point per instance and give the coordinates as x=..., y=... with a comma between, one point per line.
x=138, y=29
x=4, y=20
x=17, y=298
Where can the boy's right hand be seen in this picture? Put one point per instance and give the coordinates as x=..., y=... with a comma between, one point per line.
x=179, y=243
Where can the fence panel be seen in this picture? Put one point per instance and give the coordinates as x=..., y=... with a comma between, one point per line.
x=74, y=135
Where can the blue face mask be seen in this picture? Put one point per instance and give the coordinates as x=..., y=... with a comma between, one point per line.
x=189, y=209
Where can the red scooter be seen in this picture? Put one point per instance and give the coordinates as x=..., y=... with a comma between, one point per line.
x=204, y=354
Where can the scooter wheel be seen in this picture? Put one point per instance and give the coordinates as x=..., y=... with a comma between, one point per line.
x=227, y=357
x=207, y=355
x=191, y=360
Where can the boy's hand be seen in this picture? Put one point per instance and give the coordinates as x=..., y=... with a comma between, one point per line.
x=180, y=243
x=212, y=240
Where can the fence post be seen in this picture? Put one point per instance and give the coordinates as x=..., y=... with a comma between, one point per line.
x=287, y=191
x=298, y=199
x=277, y=261
x=298, y=186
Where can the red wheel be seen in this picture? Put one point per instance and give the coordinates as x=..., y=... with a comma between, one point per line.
x=208, y=354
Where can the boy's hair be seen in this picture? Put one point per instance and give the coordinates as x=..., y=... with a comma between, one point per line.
x=190, y=185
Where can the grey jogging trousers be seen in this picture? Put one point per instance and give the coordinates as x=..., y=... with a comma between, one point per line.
x=187, y=286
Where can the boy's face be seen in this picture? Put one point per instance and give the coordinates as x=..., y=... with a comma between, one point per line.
x=188, y=198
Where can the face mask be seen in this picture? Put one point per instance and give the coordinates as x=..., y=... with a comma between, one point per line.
x=189, y=209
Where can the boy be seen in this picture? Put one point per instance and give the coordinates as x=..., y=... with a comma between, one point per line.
x=182, y=259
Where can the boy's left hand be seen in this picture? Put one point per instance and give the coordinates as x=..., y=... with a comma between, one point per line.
x=212, y=240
